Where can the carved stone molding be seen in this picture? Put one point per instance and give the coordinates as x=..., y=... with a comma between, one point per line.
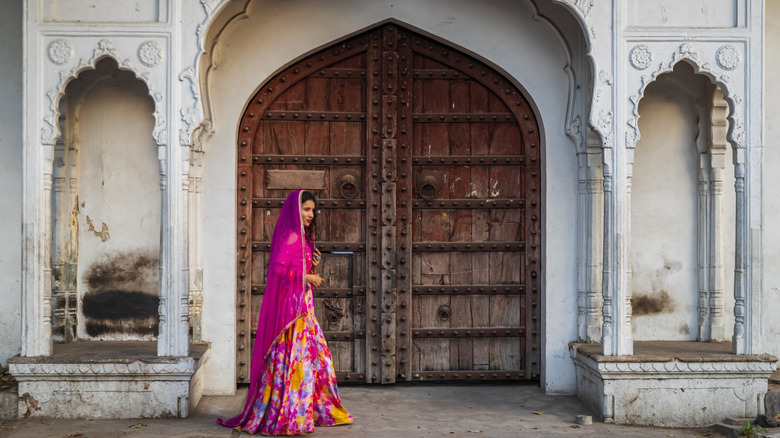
x=584, y=7
x=764, y=363
x=687, y=52
x=60, y=51
x=50, y=128
x=36, y=371
x=209, y=7
x=641, y=57
x=657, y=391
x=150, y=53
x=603, y=118
x=727, y=57
x=192, y=116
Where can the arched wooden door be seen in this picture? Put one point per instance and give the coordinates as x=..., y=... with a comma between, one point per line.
x=426, y=167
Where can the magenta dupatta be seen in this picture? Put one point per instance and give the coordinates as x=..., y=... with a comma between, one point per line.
x=284, y=300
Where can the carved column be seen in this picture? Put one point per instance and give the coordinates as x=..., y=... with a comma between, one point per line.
x=616, y=339
x=36, y=231
x=740, y=337
x=717, y=250
x=717, y=275
x=195, y=234
x=702, y=249
x=59, y=233
x=589, y=207
x=627, y=337
x=173, y=336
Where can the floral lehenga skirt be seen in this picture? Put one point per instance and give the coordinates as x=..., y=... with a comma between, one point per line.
x=297, y=389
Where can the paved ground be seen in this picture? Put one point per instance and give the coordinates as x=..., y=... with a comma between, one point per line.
x=418, y=410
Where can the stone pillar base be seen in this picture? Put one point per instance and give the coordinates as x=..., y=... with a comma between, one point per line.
x=109, y=380
x=672, y=384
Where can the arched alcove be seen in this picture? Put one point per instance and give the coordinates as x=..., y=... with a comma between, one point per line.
x=682, y=212
x=106, y=209
x=540, y=44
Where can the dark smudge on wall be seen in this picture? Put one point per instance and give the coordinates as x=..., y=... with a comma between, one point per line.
x=121, y=300
x=652, y=304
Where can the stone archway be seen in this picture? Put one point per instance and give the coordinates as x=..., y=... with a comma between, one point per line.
x=427, y=165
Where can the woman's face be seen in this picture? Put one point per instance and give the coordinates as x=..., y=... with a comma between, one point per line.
x=307, y=212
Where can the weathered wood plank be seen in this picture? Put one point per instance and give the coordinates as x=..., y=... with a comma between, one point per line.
x=295, y=179
x=508, y=182
x=461, y=350
x=480, y=305
x=283, y=138
x=294, y=99
x=505, y=353
x=359, y=312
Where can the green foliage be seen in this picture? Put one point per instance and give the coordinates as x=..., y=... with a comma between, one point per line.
x=749, y=429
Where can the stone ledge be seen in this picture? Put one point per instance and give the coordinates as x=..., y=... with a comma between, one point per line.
x=655, y=370
x=109, y=380
x=658, y=388
x=667, y=351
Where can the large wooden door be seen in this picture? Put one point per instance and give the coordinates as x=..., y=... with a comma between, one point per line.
x=426, y=166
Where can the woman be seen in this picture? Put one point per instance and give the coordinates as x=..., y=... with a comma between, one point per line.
x=292, y=384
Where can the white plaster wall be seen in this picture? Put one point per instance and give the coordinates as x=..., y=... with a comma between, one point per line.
x=119, y=193
x=276, y=33
x=10, y=179
x=663, y=218
x=664, y=212
x=771, y=234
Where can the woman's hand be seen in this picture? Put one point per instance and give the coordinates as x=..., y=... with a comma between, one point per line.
x=314, y=280
x=315, y=259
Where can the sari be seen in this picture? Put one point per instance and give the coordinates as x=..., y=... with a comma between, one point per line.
x=292, y=384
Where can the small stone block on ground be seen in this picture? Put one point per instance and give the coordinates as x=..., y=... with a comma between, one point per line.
x=584, y=420
x=9, y=405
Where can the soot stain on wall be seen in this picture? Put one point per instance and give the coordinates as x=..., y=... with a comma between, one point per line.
x=121, y=297
x=652, y=304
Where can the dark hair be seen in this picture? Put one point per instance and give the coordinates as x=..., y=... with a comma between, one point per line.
x=312, y=228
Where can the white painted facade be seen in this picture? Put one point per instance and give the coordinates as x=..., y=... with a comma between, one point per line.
x=11, y=116
x=599, y=74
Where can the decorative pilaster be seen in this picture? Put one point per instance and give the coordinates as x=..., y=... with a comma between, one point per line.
x=717, y=274
x=703, y=232
x=195, y=213
x=739, y=341
x=47, y=277
x=590, y=228
x=702, y=250
x=173, y=335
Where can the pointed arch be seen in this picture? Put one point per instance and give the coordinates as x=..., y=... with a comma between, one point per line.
x=50, y=130
x=686, y=53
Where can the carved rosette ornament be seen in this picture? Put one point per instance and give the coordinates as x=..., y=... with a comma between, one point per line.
x=727, y=57
x=150, y=53
x=60, y=51
x=641, y=57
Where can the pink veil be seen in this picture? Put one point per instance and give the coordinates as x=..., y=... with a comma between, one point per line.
x=284, y=300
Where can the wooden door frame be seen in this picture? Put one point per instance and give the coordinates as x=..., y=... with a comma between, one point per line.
x=384, y=148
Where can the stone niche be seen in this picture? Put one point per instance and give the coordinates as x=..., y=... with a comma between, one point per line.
x=109, y=380
x=672, y=384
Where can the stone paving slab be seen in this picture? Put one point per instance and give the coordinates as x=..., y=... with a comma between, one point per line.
x=409, y=410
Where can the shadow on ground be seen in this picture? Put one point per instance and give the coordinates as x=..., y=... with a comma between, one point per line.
x=408, y=410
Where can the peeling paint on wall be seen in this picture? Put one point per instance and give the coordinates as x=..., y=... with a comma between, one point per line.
x=103, y=233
